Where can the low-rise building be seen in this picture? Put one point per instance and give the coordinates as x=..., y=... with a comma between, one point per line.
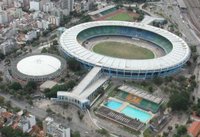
x=27, y=122
x=31, y=35
x=43, y=24
x=8, y=46
x=54, y=20
x=47, y=85
x=55, y=129
x=35, y=5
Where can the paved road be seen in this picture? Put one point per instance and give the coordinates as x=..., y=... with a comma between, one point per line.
x=173, y=13
x=39, y=113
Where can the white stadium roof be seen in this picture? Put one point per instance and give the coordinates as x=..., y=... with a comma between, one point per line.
x=179, y=54
x=38, y=65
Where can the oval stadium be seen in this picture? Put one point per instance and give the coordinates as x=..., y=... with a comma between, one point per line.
x=125, y=49
x=38, y=67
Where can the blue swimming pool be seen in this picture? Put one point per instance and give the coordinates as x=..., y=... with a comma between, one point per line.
x=136, y=113
x=114, y=105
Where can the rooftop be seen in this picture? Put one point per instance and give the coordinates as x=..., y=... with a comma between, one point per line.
x=194, y=129
x=141, y=93
x=179, y=55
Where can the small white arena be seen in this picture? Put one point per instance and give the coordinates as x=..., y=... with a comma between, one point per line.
x=38, y=67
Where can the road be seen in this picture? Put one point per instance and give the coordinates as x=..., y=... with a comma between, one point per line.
x=39, y=113
x=178, y=17
x=193, y=13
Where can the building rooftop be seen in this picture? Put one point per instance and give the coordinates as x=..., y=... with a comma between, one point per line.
x=48, y=84
x=181, y=3
x=194, y=129
x=141, y=93
x=179, y=54
x=38, y=65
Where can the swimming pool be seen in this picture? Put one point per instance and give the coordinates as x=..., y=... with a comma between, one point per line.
x=129, y=111
x=114, y=105
x=136, y=113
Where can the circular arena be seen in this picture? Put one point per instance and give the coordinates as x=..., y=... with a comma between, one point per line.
x=38, y=67
x=170, y=51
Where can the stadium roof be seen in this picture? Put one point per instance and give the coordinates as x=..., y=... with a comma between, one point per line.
x=178, y=56
x=38, y=65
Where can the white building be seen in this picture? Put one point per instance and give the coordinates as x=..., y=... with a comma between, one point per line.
x=8, y=46
x=3, y=17
x=54, y=20
x=31, y=35
x=85, y=5
x=35, y=5
x=55, y=129
x=43, y=24
x=47, y=7
x=18, y=13
x=18, y=3
x=27, y=122
x=8, y=3
x=67, y=4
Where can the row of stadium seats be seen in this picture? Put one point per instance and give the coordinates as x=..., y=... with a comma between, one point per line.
x=138, y=101
x=126, y=31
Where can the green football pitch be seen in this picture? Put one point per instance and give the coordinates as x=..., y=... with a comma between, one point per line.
x=122, y=50
x=121, y=17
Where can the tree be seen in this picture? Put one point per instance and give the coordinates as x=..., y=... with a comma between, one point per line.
x=31, y=85
x=76, y=134
x=69, y=119
x=8, y=131
x=193, y=49
x=158, y=80
x=73, y=64
x=150, y=89
x=49, y=110
x=170, y=128
x=179, y=101
x=15, y=86
x=2, y=56
x=71, y=84
x=1, y=100
x=44, y=50
x=181, y=130
x=103, y=132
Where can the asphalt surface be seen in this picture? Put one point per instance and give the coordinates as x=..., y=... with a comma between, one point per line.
x=39, y=113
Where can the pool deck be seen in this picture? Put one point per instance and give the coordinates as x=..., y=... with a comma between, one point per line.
x=125, y=104
x=120, y=118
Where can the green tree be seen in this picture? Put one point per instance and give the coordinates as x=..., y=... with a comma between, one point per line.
x=76, y=134
x=71, y=84
x=73, y=64
x=8, y=131
x=44, y=50
x=15, y=86
x=2, y=56
x=103, y=132
x=2, y=100
x=150, y=89
x=158, y=80
x=31, y=85
x=181, y=130
x=179, y=101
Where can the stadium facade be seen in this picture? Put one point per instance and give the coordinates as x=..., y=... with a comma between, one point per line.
x=177, y=52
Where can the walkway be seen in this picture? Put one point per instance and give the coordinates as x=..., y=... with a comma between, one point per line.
x=87, y=80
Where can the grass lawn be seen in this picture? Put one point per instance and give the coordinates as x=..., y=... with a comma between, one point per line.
x=121, y=17
x=122, y=50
